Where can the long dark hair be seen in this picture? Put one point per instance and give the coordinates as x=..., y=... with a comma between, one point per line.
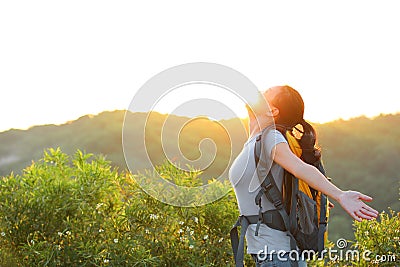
x=291, y=111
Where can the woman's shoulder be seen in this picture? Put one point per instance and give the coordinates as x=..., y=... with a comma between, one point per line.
x=272, y=138
x=272, y=134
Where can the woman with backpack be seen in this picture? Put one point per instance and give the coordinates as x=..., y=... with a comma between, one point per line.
x=270, y=246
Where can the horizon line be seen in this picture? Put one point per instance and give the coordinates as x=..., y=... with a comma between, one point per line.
x=179, y=115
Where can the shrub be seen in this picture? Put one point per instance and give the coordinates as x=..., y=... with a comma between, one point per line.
x=60, y=212
x=377, y=243
x=381, y=238
x=78, y=211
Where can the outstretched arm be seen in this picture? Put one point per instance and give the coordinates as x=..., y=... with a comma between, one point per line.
x=351, y=201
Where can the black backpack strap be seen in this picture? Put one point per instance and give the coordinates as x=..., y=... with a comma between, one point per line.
x=274, y=195
x=257, y=149
x=269, y=188
x=323, y=222
x=293, y=200
x=238, y=243
x=271, y=218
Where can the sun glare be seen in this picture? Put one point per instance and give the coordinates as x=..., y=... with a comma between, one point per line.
x=207, y=100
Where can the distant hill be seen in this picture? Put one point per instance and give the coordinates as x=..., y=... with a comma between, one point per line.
x=102, y=134
x=361, y=154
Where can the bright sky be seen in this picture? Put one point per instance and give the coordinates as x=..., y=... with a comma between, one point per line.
x=60, y=60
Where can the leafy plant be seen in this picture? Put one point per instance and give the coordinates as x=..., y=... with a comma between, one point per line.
x=79, y=211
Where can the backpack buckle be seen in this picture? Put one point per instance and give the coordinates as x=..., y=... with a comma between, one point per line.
x=325, y=222
x=267, y=185
x=278, y=204
x=260, y=218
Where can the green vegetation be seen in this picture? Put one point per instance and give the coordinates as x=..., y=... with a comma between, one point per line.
x=80, y=211
x=381, y=238
x=361, y=154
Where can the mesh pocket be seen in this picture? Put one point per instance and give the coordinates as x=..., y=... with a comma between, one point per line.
x=306, y=214
x=307, y=223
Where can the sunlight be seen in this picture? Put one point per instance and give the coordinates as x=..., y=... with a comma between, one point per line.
x=207, y=100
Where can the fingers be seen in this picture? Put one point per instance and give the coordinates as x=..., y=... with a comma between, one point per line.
x=364, y=215
x=364, y=212
x=356, y=217
x=360, y=216
x=353, y=203
x=365, y=197
x=370, y=211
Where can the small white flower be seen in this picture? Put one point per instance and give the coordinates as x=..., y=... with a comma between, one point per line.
x=68, y=233
x=59, y=234
x=101, y=230
x=106, y=260
x=191, y=246
x=153, y=216
x=180, y=231
x=181, y=223
x=147, y=231
x=205, y=237
x=191, y=232
x=220, y=240
x=3, y=234
x=196, y=220
x=59, y=247
x=115, y=240
x=187, y=228
x=33, y=242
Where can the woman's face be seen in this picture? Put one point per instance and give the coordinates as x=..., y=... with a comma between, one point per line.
x=269, y=95
x=262, y=108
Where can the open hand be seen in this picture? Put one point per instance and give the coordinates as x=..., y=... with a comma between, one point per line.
x=353, y=203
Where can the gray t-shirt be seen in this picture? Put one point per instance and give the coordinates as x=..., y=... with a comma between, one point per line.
x=244, y=179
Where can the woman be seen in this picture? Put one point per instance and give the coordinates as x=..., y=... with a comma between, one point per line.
x=286, y=107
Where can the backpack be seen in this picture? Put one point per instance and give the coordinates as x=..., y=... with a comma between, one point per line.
x=299, y=209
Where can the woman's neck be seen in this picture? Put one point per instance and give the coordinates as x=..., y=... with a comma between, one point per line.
x=256, y=126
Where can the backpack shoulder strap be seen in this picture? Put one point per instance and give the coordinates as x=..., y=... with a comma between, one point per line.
x=272, y=192
x=257, y=145
x=268, y=185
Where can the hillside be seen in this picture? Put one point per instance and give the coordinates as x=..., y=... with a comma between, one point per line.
x=102, y=134
x=361, y=154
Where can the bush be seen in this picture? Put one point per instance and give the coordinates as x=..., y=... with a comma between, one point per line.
x=54, y=213
x=377, y=243
x=79, y=211
x=382, y=239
